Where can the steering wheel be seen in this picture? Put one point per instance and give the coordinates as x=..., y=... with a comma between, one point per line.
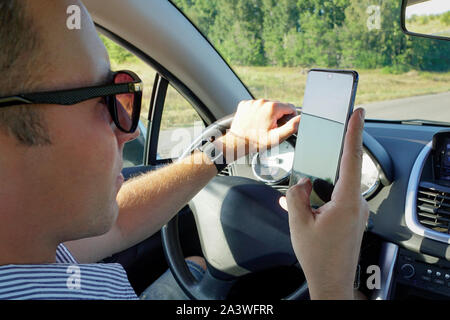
x=242, y=229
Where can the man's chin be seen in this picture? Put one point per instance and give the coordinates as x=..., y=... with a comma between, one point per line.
x=105, y=223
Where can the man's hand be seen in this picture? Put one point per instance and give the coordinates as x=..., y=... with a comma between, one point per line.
x=327, y=240
x=259, y=125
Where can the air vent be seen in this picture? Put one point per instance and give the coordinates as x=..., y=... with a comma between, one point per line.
x=433, y=207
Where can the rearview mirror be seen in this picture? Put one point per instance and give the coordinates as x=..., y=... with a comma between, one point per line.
x=426, y=18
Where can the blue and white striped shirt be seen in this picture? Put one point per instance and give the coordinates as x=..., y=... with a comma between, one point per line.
x=65, y=279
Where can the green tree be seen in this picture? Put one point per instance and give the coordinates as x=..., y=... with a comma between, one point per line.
x=332, y=12
x=316, y=42
x=324, y=33
x=445, y=18
x=280, y=18
x=372, y=40
x=201, y=12
x=237, y=30
x=428, y=54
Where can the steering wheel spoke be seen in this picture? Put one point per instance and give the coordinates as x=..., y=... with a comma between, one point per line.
x=242, y=227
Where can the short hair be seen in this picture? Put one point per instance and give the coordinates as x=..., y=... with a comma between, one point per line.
x=18, y=73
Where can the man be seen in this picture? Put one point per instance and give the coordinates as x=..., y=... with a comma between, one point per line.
x=60, y=169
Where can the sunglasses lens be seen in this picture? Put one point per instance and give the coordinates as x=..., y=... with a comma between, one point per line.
x=124, y=103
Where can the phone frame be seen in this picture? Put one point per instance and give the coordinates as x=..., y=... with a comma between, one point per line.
x=350, y=108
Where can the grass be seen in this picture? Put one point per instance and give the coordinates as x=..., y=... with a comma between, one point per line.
x=288, y=85
x=432, y=25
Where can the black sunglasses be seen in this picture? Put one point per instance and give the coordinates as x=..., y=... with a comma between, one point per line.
x=123, y=98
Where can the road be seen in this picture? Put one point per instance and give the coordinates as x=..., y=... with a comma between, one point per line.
x=429, y=107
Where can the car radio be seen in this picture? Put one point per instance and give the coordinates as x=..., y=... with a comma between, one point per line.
x=421, y=273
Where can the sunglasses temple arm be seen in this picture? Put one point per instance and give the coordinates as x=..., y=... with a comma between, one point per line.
x=71, y=97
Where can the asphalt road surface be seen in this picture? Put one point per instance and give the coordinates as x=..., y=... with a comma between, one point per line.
x=429, y=107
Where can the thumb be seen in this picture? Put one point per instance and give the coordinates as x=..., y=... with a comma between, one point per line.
x=298, y=203
x=280, y=134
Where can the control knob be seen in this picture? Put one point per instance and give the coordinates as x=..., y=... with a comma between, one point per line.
x=407, y=271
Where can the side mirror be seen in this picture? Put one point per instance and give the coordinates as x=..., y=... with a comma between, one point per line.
x=426, y=18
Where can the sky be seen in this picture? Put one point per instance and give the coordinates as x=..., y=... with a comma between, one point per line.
x=429, y=7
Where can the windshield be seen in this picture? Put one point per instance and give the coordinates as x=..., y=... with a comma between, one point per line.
x=271, y=44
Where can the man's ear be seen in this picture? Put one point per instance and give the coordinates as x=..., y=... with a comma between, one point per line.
x=323, y=189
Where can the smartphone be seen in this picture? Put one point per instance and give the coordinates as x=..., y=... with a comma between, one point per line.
x=327, y=106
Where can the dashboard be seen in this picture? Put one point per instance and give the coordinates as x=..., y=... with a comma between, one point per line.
x=427, y=211
x=427, y=214
x=274, y=167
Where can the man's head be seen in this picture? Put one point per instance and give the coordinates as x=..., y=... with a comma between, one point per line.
x=19, y=66
x=59, y=165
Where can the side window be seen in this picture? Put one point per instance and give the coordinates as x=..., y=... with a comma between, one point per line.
x=180, y=125
x=122, y=59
